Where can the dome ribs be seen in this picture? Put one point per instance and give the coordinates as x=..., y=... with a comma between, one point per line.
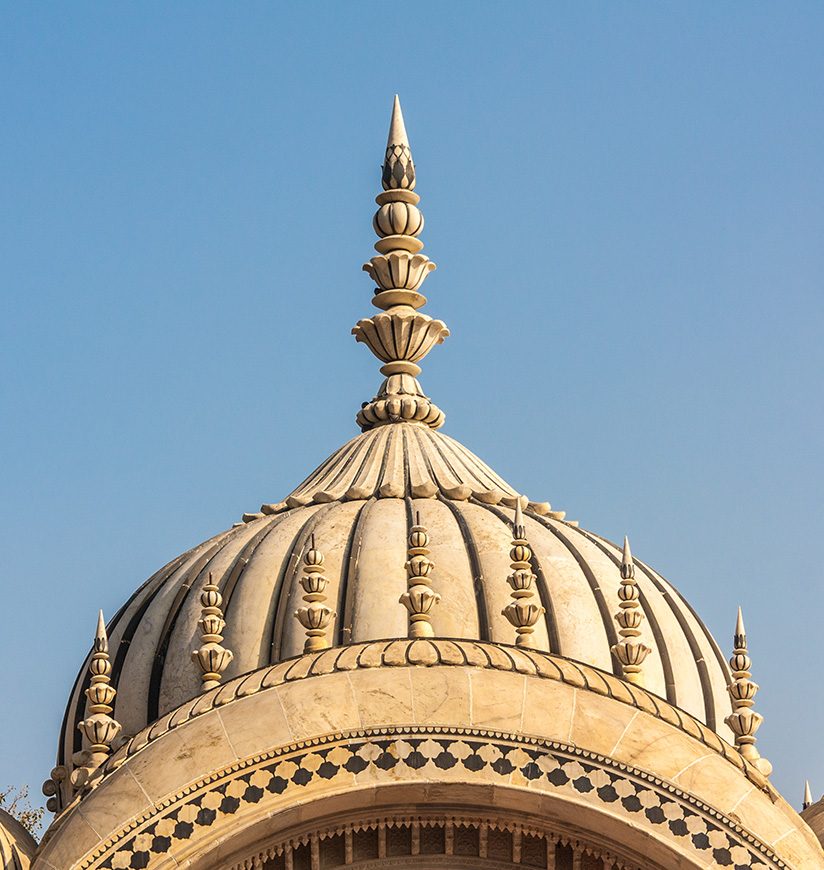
x=350, y=556
x=71, y=739
x=287, y=580
x=241, y=561
x=191, y=578
x=658, y=635
x=485, y=629
x=670, y=595
x=398, y=460
x=592, y=580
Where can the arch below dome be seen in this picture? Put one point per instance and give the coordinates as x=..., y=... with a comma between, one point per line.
x=444, y=715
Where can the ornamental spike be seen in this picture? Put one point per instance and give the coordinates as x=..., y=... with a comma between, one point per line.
x=808, y=796
x=419, y=598
x=744, y=721
x=99, y=728
x=521, y=612
x=212, y=657
x=400, y=336
x=627, y=562
x=314, y=616
x=629, y=651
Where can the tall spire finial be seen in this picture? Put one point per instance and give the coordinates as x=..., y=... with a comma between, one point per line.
x=629, y=651
x=808, y=796
x=398, y=167
x=212, y=657
x=400, y=337
x=315, y=616
x=99, y=728
x=419, y=598
x=521, y=612
x=744, y=721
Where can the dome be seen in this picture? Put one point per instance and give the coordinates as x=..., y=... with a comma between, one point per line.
x=360, y=505
x=407, y=661
x=17, y=846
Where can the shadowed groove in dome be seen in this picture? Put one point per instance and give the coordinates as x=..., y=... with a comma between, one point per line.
x=256, y=566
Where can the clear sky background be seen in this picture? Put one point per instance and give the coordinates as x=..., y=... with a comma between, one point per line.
x=626, y=204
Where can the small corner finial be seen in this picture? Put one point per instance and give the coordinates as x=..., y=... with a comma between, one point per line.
x=314, y=616
x=419, y=598
x=808, y=796
x=521, y=613
x=629, y=651
x=744, y=721
x=99, y=728
x=211, y=656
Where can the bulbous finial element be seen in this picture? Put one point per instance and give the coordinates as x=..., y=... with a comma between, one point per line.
x=419, y=598
x=211, y=656
x=315, y=616
x=744, y=721
x=629, y=651
x=521, y=612
x=400, y=337
x=99, y=728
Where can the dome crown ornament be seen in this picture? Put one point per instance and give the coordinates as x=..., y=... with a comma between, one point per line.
x=400, y=337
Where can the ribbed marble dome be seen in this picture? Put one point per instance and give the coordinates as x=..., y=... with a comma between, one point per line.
x=359, y=507
x=468, y=512
x=17, y=847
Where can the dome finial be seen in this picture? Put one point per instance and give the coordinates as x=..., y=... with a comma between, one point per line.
x=315, y=616
x=99, y=728
x=212, y=657
x=629, y=651
x=743, y=720
x=400, y=337
x=808, y=796
x=419, y=598
x=521, y=612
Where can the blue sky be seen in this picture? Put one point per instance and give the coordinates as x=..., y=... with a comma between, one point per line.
x=626, y=204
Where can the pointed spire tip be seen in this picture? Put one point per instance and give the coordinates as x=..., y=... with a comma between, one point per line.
x=397, y=128
x=739, y=623
x=101, y=626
